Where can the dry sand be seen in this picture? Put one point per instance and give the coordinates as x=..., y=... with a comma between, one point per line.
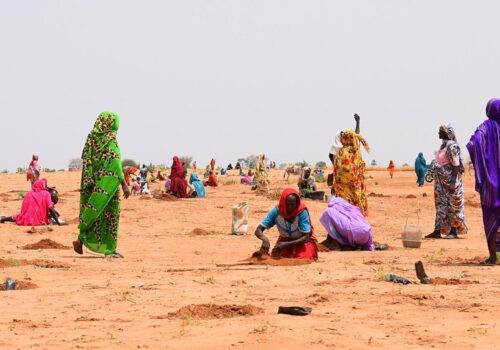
x=178, y=254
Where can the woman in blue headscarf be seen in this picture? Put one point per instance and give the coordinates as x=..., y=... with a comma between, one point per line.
x=197, y=184
x=420, y=169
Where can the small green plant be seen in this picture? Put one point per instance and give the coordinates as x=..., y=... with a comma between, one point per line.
x=210, y=280
x=14, y=262
x=187, y=321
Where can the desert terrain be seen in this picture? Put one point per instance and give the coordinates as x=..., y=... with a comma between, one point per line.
x=180, y=253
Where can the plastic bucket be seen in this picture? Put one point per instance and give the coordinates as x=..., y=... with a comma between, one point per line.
x=412, y=234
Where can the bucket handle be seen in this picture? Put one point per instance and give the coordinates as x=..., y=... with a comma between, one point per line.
x=418, y=218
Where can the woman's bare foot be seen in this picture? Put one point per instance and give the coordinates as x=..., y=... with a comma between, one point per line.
x=491, y=261
x=78, y=246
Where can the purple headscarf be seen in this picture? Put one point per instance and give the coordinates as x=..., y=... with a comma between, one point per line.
x=493, y=109
x=484, y=150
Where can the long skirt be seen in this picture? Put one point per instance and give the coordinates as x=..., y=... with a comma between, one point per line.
x=449, y=206
x=308, y=251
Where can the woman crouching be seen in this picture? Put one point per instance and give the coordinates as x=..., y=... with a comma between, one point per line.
x=296, y=239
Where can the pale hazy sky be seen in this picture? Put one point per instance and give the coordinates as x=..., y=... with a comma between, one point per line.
x=226, y=79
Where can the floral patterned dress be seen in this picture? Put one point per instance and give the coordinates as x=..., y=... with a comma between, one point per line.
x=349, y=171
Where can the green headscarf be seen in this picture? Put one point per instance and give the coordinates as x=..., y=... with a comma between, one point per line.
x=101, y=177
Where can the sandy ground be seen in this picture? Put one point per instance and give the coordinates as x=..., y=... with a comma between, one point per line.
x=88, y=302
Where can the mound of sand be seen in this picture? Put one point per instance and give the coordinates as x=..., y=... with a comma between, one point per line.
x=21, y=285
x=213, y=311
x=45, y=244
x=201, y=232
x=47, y=264
x=258, y=258
x=451, y=281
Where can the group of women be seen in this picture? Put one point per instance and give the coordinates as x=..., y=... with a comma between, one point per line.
x=102, y=178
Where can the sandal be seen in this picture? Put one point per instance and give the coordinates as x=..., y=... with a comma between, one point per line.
x=114, y=255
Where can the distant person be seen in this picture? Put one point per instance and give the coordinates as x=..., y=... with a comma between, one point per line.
x=484, y=150
x=194, y=166
x=212, y=180
x=178, y=183
x=420, y=169
x=34, y=170
x=306, y=183
x=296, y=235
x=128, y=172
x=448, y=188
x=212, y=165
x=136, y=187
x=230, y=167
x=143, y=173
x=391, y=168
x=261, y=177
x=199, y=189
x=248, y=178
x=349, y=170
x=102, y=176
x=337, y=146
x=237, y=166
x=37, y=208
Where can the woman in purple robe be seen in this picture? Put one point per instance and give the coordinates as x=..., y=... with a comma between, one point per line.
x=484, y=150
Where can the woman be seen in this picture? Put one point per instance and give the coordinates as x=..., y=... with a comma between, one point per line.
x=212, y=165
x=33, y=173
x=212, y=180
x=484, y=150
x=199, y=189
x=37, y=207
x=248, y=178
x=306, y=184
x=293, y=221
x=349, y=170
x=261, y=178
x=420, y=169
x=391, y=168
x=178, y=183
x=448, y=189
x=102, y=176
x=346, y=226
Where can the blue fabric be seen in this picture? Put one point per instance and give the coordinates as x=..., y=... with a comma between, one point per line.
x=420, y=168
x=301, y=224
x=197, y=184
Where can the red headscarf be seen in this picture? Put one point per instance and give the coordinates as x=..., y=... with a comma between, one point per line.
x=177, y=169
x=282, y=205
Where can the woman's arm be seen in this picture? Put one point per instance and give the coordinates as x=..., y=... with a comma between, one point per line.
x=301, y=240
x=259, y=232
x=126, y=191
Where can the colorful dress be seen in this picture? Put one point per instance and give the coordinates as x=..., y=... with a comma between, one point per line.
x=449, y=204
x=349, y=171
x=346, y=225
x=484, y=150
x=261, y=178
x=102, y=175
x=178, y=184
x=197, y=184
x=35, y=207
x=420, y=169
x=292, y=226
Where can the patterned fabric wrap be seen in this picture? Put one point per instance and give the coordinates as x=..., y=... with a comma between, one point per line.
x=449, y=204
x=101, y=177
x=261, y=177
x=349, y=171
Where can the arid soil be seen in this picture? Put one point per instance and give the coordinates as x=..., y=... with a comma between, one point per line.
x=186, y=283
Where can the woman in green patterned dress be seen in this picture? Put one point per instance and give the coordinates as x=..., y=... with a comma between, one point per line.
x=102, y=176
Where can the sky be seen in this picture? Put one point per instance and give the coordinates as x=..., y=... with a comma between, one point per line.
x=227, y=79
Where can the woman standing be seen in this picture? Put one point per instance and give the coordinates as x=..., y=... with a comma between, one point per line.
x=448, y=188
x=102, y=176
x=484, y=150
x=391, y=168
x=33, y=173
x=261, y=178
x=349, y=170
x=420, y=169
